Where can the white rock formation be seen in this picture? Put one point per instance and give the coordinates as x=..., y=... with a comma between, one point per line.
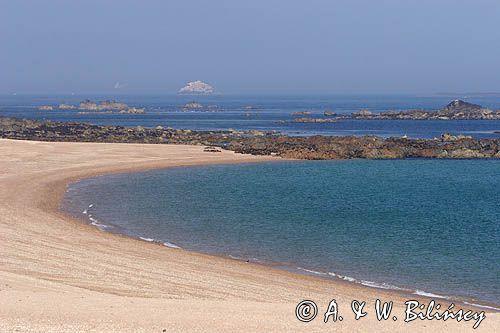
x=197, y=88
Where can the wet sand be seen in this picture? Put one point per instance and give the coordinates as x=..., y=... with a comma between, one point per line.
x=58, y=274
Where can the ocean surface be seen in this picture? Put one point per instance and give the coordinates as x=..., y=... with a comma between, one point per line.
x=263, y=112
x=430, y=227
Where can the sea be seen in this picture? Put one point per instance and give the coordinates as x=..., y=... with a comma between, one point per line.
x=424, y=227
x=265, y=113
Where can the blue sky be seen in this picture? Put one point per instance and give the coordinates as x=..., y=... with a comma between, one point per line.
x=316, y=46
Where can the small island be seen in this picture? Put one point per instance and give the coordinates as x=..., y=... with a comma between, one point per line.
x=197, y=88
x=455, y=110
x=91, y=107
x=314, y=120
x=301, y=113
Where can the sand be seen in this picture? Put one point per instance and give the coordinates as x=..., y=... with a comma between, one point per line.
x=61, y=275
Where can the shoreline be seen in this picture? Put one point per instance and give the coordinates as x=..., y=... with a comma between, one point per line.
x=333, y=276
x=47, y=253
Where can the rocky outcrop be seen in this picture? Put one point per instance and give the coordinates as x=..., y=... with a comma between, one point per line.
x=45, y=108
x=262, y=143
x=455, y=110
x=362, y=113
x=301, y=113
x=64, y=106
x=192, y=106
x=197, y=88
x=314, y=120
x=104, y=105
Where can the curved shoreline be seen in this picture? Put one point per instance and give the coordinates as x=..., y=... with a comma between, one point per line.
x=406, y=291
x=81, y=277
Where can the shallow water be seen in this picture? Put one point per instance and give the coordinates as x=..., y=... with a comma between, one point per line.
x=426, y=225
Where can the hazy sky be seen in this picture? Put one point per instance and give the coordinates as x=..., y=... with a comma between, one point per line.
x=330, y=46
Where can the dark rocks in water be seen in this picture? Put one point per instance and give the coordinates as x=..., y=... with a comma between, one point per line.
x=308, y=120
x=301, y=113
x=263, y=143
x=458, y=106
x=314, y=120
x=362, y=113
x=455, y=110
x=329, y=114
x=448, y=137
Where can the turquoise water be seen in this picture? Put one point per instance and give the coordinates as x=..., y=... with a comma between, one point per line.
x=425, y=226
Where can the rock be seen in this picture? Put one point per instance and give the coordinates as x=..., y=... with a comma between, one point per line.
x=192, y=105
x=197, y=88
x=301, y=113
x=460, y=106
x=314, y=120
x=212, y=150
x=456, y=109
x=87, y=105
x=133, y=111
x=329, y=113
x=448, y=137
x=362, y=113
x=66, y=107
x=45, y=108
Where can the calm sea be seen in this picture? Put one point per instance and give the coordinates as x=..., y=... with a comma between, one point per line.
x=430, y=227
x=263, y=112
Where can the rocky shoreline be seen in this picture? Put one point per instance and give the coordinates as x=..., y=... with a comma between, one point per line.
x=262, y=143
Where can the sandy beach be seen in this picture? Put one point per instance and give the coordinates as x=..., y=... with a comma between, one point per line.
x=60, y=275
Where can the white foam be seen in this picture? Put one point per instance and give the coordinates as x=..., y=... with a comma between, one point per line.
x=380, y=285
x=147, y=239
x=342, y=277
x=426, y=294
x=173, y=246
x=483, y=306
x=91, y=205
x=311, y=271
x=348, y=278
x=367, y=283
x=96, y=223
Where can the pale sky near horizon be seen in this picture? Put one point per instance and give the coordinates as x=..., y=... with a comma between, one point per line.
x=258, y=46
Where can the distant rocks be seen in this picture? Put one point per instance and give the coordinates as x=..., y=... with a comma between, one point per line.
x=133, y=110
x=314, y=120
x=66, y=107
x=192, y=106
x=195, y=106
x=362, y=113
x=455, y=110
x=104, y=107
x=329, y=113
x=45, y=108
x=301, y=113
x=197, y=88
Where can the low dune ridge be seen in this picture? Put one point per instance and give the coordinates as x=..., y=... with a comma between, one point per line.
x=58, y=274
